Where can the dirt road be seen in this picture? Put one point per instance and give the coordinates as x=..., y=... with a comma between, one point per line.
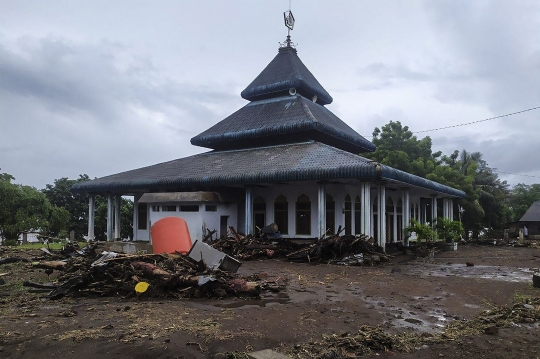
x=406, y=295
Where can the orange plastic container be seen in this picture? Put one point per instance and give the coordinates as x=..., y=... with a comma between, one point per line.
x=170, y=235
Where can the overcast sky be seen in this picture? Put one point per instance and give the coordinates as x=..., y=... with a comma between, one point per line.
x=101, y=87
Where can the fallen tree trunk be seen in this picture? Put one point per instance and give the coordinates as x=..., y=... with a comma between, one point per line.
x=150, y=269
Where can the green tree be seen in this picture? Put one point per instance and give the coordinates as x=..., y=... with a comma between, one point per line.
x=398, y=148
x=490, y=210
x=126, y=218
x=521, y=198
x=76, y=204
x=485, y=205
x=25, y=209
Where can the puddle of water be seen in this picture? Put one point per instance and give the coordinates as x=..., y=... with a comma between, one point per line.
x=261, y=303
x=304, y=291
x=281, y=298
x=478, y=271
x=423, y=321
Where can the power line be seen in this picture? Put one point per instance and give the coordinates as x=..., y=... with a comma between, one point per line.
x=516, y=174
x=484, y=120
x=471, y=123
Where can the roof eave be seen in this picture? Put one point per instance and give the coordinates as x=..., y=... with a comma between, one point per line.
x=395, y=175
x=367, y=172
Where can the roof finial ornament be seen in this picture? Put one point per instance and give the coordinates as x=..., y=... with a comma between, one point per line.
x=289, y=23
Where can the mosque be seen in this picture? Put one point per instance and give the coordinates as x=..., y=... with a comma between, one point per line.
x=283, y=158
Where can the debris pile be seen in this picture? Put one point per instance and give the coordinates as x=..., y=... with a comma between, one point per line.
x=336, y=249
x=86, y=273
x=344, y=250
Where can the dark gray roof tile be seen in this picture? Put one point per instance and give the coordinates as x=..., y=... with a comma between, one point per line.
x=307, y=161
x=282, y=120
x=532, y=214
x=286, y=71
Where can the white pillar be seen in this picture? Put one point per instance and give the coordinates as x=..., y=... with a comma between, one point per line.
x=394, y=239
x=381, y=215
x=322, y=210
x=433, y=210
x=353, y=214
x=117, y=217
x=91, y=216
x=451, y=209
x=445, y=208
x=365, y=215
x=136, y=199
x=249, y=211
x=405, y=216
x=110, y=215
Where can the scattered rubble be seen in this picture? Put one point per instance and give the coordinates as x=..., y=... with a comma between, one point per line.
x=83, y=272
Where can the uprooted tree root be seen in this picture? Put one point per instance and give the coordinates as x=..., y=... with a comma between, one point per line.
x=369, y=340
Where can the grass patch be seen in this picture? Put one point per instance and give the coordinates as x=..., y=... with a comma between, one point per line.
x=523, y=298
x=58, y=245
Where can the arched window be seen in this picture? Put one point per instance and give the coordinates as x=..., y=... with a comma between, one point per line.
x=281, y=214
x=259, y=213
x=389, y=205
x=303, y=215
x=348, y=214
x=357, y=214
x=330, y=215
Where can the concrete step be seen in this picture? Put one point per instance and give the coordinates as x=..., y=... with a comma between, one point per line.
x=267, y=354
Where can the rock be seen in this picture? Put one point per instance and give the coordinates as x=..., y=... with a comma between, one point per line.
x=470, y=264
x=271, y=228
x=492, y=330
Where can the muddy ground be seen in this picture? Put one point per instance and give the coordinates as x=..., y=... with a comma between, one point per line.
x=409, y=294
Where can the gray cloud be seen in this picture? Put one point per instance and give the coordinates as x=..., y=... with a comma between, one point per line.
x=71, y=108
x=99, y=88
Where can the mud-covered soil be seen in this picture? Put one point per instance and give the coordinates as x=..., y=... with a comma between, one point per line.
x=415, y=295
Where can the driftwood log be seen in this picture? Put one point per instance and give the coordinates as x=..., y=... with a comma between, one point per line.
x=150, y=269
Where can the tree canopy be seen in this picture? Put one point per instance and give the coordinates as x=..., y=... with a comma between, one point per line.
x=486, y=205
x=398, y=148
x=76, y=204
x=523, y=196
x=54, y=211
x=25, y=209
x=59, y=194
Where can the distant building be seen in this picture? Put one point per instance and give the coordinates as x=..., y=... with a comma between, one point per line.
x=531, y=219
x=283, y=158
